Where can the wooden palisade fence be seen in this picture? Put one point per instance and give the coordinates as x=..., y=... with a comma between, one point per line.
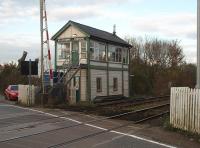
x=185, y=109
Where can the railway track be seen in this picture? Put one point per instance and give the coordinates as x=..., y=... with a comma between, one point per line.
x=138, y=115
x=130, y=102
x=133, y=115
x=148, y=113
x=117, y=127
x=130, y=113
x=99, y=133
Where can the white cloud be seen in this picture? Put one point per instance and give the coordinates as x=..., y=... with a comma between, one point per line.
x=66, y=13
x=180, y=25
x=88, y=2
x=20, y=10
x=190, y=50
x=13, y=45
x=12, y=11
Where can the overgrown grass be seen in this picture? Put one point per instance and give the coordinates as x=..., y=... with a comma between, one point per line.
x=81, y=106
x=190, y=135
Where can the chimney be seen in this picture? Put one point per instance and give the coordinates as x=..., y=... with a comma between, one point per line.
x=114, y=29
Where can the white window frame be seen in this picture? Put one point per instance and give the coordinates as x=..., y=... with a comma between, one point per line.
x=83, y=52
x=111, y=47
x=96, y=49
x=61, y=50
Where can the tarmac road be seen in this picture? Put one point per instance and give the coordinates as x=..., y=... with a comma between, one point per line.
x=29, y=128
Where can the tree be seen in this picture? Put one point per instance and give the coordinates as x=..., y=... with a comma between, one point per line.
x=10, y=75
x=157, y=64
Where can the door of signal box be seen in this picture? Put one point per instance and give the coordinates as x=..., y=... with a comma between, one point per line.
x=75, y=52
x=77, y=88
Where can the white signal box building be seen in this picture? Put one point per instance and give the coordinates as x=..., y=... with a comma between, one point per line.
x=95, y=63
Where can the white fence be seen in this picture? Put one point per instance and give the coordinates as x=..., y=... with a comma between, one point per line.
x=185, y=109
x=27, y=94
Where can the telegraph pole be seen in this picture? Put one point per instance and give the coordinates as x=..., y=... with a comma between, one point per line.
x=42, y=41
x=198, y=45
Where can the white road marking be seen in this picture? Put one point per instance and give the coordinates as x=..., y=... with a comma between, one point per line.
x=143, y=139
x=90, y=125
x=97, y=127
x=108, y=141
x=6, y=105
x=71, y=119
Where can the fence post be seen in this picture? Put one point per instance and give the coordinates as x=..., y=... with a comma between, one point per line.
x=198, y=111
x=171, y=105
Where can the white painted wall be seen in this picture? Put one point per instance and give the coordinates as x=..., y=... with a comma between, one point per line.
x=83, y=86
x=126, y=84
x=125, y=66
x=112, y=74
x=118, y=75
x=115, y=65
x=69, y=32
x=103, y=75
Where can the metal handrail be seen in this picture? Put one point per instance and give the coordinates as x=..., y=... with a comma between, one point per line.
x=66, y=62
x=69, y=64
x=75, y=71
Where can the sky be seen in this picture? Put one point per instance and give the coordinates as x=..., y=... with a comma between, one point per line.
x=165, y=19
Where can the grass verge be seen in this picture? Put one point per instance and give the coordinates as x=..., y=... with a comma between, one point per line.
x=190, y=135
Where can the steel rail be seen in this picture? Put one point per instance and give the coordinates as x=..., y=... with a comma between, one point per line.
x=141, y=103
x=50, y=118
x=130, y=101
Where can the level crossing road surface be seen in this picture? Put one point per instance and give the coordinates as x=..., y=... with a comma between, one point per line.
x=29, y=128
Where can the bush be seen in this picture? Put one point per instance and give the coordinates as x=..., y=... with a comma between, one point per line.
x=10, y=75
